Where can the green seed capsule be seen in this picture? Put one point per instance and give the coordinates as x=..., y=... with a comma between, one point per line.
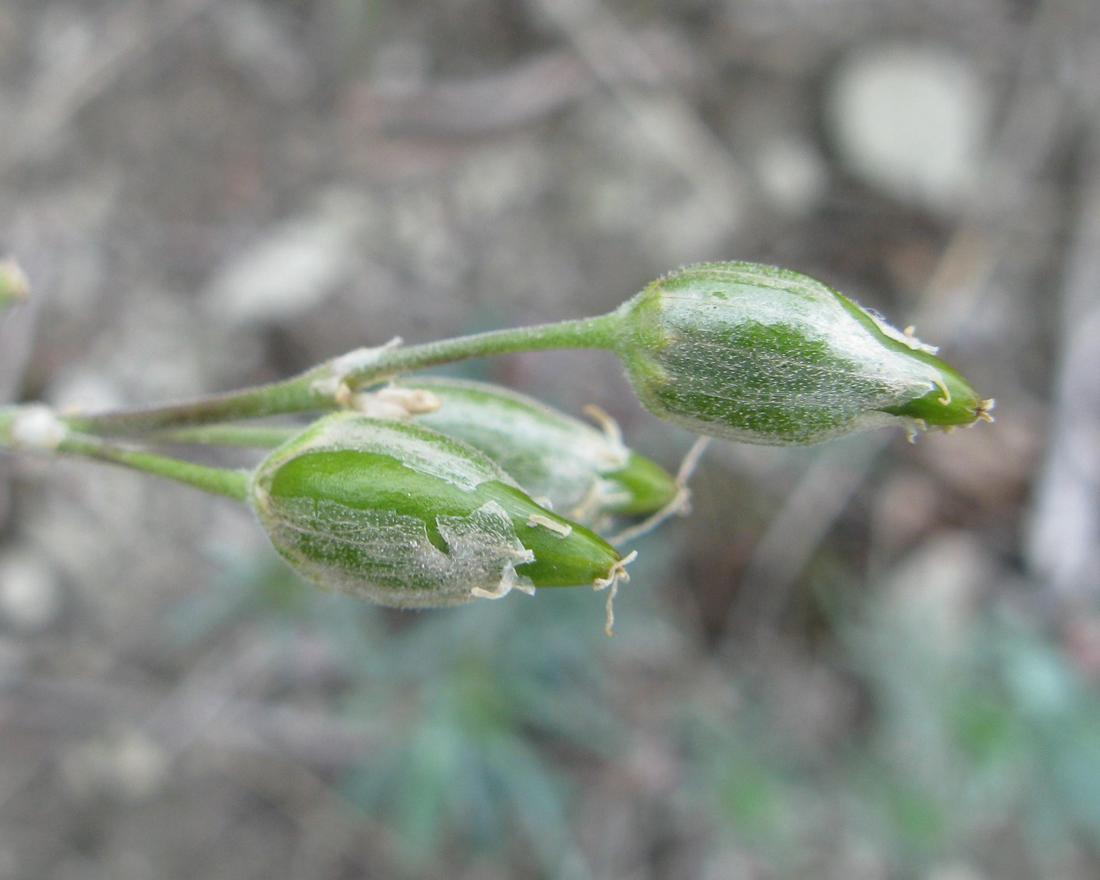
x=585, y=473
x=766, y=355
x=407, y=517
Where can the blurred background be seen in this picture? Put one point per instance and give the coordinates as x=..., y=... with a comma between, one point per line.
x=867, y=659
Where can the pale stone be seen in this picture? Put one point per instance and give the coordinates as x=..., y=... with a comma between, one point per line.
x=910, y=120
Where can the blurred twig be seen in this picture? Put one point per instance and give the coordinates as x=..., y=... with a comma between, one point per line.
x=517, y=95
x=1064, y=539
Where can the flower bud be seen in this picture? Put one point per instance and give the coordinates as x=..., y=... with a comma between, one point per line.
x=585, y=473
x=766, y=355
x=407, y=517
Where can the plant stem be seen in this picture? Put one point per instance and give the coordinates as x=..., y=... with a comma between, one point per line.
x=298, y=394
x=219, y=481
x=595, y=332
x=329, y=385
x=7, y=419
x=250, y=436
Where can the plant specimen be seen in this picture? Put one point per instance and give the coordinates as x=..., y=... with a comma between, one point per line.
x=420, y=493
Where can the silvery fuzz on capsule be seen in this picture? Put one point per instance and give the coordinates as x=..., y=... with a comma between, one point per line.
x=766, y=355
x=586, y=474
x=407, y=517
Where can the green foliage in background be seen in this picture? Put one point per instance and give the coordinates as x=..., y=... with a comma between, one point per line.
x=478, y=721
x=981, y=750
x=493, y=727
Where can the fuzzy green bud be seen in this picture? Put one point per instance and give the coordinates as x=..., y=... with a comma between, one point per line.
x=407, y=517
x=766, y=355
x=585, y=473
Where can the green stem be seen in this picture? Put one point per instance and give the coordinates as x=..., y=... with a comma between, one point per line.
x=250, y=436
x=7, y=420
x=326, y=386
x=596, y=332
x=300, y=393
x=219, y=481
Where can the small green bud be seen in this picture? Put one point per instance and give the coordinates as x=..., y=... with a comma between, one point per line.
x=14, y=287
x=585, y=473
x=407, y=517
x=766, y=355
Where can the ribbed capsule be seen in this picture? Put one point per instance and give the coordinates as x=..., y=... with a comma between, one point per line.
x=586, y=474
x=407, y=517
x=766, y=355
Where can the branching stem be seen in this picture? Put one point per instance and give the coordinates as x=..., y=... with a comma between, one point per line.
x=247, y=436
x=331, y=384
x=219, y=481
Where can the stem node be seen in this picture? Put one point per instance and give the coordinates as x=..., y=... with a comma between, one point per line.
x=37, y=428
